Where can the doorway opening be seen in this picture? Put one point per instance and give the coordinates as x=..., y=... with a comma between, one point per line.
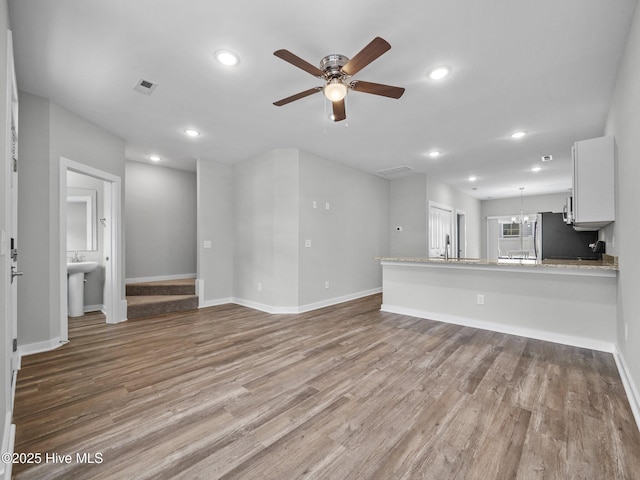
x=108, y=223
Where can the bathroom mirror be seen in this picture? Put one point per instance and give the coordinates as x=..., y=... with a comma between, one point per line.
x=81, y=219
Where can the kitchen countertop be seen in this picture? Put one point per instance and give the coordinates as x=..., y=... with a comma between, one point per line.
x=609, y=263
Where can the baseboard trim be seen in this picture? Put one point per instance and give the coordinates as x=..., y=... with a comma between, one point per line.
x=262, y=307
x=629, y=386
x=213, y=303
x=336, y=300
x=123, y=312
x=8, y=444
x=304, y=308
x=571, y=340
x=39, y=347
x=162, y=278
x=94, y=308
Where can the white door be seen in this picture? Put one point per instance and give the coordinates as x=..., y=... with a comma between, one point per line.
x=13, y=205
x=440, y=229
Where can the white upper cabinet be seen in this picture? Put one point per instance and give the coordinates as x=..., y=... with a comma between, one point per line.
x=593, y=183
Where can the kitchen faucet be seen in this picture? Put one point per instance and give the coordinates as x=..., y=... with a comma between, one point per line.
x=446, y=247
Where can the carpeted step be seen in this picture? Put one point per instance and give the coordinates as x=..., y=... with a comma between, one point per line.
x=185, y=286
x=151, y=305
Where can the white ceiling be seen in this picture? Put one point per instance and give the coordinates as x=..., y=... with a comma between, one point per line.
x=546, y=66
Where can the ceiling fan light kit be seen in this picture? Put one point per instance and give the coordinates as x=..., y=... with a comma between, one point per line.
x=335, y=90
x=336, y=70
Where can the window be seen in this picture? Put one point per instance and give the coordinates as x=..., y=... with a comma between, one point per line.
x=510, y=230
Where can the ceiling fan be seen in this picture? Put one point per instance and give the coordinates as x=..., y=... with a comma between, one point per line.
x=336, y=70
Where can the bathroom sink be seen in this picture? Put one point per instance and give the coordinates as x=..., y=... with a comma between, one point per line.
x=75, y=290
x=81, y=267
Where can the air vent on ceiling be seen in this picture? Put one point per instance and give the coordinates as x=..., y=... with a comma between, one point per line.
x=145, y=86
x=395, y=171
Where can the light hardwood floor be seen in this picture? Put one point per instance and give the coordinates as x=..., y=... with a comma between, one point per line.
x=346, y=392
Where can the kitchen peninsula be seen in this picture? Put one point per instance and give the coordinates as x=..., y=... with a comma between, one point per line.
x=569, y=302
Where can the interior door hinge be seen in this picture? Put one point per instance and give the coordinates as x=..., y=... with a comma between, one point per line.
x=15, y=165
x=15, y=345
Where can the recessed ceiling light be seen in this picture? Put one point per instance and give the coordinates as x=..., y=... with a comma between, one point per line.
x=434, y=153
x=191, y=132
x=536, y=169
x=472, y=178
x=154, y=158
x=227, y=58
x=519, y=134
x=439, y=73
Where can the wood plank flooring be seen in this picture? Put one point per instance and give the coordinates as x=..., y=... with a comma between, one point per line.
x=346, y=392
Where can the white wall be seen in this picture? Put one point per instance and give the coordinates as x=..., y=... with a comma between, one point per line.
x=215, y=225
x=47, y=133
x=160, y=225
x=624, y=123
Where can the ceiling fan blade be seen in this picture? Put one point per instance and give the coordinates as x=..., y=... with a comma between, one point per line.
x=377, y=89
x=368, y=54
x=297, y=96
x=339, y=112
x=296, y=61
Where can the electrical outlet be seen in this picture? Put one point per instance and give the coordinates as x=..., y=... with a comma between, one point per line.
x=315, y=204
x=307, y=243
x=326, y=284
x=259, y=286
x=480, y=299
x=327, y=206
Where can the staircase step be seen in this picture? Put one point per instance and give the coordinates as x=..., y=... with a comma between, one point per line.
x=186, y=286
x=151, y=305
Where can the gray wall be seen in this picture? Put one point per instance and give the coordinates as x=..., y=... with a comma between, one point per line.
x=346, y=238
x=160, y=225
x=408, y=209
x=509, y=206
x=216, y=225
x=409, y=201
x=274, y=212
x=624, y=123
x=266, y=229
x=445, y=194
x=48, y=132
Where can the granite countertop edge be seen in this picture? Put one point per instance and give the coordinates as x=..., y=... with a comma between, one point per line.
x=608, y=263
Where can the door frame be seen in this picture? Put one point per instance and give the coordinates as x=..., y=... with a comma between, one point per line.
x=113, y=214
x=460, y=233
